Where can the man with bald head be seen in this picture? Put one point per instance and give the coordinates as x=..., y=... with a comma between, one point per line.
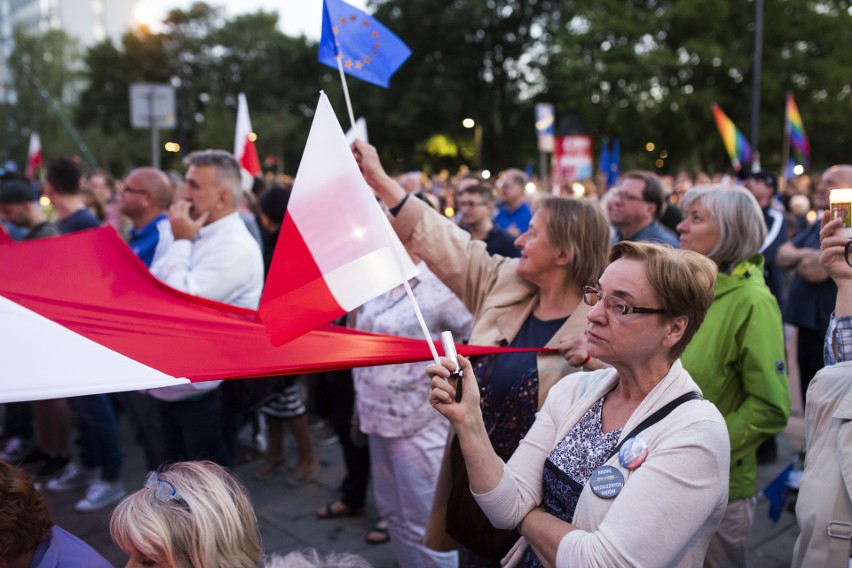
x=812, y=292
x=145, y=198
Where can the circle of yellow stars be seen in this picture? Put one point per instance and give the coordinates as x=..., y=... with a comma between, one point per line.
x=357, y=63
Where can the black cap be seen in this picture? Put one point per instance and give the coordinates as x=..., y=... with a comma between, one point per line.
x=765, y=176
x=16, y=191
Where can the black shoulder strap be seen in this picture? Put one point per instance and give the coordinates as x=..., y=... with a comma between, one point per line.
x=658, y=415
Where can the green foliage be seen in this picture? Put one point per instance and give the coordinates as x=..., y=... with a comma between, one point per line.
x=640, y=70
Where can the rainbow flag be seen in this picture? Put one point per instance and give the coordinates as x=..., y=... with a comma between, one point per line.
x=735, y=143
x=795, y=131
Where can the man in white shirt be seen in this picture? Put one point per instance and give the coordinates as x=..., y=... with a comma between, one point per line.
x=213, y=256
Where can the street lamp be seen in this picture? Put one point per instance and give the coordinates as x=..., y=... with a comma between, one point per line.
x=477, y=140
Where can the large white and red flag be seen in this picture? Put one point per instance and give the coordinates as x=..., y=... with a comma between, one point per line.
x=336, y=249
x=33, y=155
x=244, y=149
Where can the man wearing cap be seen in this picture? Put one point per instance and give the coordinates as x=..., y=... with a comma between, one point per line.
x=19, y=207
x=764, y=186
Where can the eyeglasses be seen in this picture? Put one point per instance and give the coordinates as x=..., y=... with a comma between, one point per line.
x=616, y=306
x=128, y=189
x=470, y=203
x=848, y=251
x=164, y=491
x=626, y=196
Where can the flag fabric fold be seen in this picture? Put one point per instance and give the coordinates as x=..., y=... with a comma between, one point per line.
x=795, y=130
x=33, y=156
x=735, y=142
x=336, y=248
x=365, y=47
x=245, y=150
x=92, y=284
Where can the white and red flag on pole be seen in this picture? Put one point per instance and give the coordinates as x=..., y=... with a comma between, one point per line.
x=244, y=148
x=335, y=251
x=33, y=155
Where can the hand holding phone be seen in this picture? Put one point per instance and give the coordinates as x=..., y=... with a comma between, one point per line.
x=449, y=346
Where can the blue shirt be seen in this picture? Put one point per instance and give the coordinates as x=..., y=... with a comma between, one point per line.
x=653, y=233
x=519, y=218
x=144, y=242
x=64, y=550
x=809, y=305
x=78, y=221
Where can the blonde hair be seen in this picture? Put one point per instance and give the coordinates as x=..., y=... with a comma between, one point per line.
x=683, y=280
x=737, y=217
x=580, y=227
x=216, y=527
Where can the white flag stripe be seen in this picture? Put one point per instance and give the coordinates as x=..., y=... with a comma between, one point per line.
x=41, y=359
x=335, y=210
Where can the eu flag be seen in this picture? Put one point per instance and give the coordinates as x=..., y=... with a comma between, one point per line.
x=366, y=48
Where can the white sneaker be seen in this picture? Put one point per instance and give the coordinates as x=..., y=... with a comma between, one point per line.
x=14, y=450
x=100, y=494
x=75, y=476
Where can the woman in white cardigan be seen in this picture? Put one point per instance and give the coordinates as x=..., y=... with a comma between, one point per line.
x=575, y=498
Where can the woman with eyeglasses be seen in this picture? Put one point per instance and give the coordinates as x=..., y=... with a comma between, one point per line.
x=533, y=301
x=737, y=357
x=188, y=515
x=624, y=466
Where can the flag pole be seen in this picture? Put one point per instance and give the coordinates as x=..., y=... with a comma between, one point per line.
x=409, y=292
x=346, y=92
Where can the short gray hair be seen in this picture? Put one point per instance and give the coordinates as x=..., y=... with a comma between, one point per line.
x=230, y=177
x=738, y=219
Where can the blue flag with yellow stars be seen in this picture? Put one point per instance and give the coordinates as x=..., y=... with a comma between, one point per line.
x=366, y=48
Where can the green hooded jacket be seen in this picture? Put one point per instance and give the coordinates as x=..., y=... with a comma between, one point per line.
x=737, y=358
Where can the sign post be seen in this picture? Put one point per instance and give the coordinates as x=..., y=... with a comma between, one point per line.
x=544, y=123
x=152, y=105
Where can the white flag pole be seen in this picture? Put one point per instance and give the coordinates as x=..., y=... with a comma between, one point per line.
x=405, y=283
x=346, y=91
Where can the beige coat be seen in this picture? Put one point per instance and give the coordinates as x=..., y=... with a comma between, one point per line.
x=500, y=301
x=824, y=496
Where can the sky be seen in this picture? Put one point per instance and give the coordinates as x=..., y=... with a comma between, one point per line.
x=295, y=16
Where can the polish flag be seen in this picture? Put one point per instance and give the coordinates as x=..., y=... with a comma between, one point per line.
x=33, y=155
x=244, y=148
x=336, y=249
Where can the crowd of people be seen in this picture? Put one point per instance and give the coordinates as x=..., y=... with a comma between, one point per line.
x=665, y=303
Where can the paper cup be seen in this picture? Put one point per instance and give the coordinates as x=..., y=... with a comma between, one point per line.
x=841, y=208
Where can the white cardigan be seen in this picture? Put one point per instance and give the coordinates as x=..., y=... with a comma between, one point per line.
x=669, y=507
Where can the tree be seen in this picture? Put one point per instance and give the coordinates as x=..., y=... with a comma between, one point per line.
x=42, y=79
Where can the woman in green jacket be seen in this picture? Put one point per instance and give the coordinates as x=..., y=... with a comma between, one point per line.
x=737, y=356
